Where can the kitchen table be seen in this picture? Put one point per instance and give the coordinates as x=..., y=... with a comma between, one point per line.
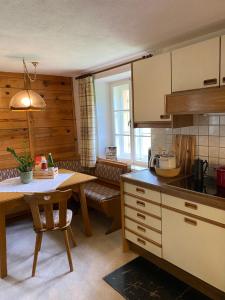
x=13, y=201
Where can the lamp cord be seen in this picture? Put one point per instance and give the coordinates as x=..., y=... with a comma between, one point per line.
x=27, y=77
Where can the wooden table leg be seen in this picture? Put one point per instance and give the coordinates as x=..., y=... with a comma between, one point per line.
x=3, y=253
x=84, y=211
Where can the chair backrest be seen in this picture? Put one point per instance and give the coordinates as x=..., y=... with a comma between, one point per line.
x=45, y=202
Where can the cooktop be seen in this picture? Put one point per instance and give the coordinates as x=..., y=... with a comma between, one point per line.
x=207, y=186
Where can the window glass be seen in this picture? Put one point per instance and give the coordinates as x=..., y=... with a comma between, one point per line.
x=121, y=97
x=132, y=144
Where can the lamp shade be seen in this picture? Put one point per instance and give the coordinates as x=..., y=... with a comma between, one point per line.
x=27, y=100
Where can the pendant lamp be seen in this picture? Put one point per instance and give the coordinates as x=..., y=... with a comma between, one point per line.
x=27, y=99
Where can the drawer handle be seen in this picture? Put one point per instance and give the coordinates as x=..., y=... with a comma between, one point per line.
x=223, y=79
x=190, y=221
x=141, y=241
x=141, y=216
x=210, y=81
x=191, y=205
x=140, y=190
x=141, y=228
x=140, y=203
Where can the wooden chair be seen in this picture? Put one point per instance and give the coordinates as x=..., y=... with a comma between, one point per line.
x=45, y=218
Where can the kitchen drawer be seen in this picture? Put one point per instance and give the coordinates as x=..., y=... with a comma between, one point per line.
x=143, y=231
x=142, y=192
x=143, y=205
x=143, y=243
x=194, y=208
x=143, y=218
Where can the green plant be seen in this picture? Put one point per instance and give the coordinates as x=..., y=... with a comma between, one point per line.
x=25, y=161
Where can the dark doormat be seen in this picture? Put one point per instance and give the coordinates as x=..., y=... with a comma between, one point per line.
x=142, y=280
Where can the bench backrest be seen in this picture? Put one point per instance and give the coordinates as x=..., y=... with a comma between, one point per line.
x=109, y=171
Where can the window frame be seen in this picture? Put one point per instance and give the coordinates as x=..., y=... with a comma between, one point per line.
x=132, y=160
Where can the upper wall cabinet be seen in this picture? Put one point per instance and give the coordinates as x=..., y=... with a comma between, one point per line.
x=222, y=65
x=151, y=82
x=197, y=66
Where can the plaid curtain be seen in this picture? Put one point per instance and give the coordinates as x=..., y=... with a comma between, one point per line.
x=88, y=123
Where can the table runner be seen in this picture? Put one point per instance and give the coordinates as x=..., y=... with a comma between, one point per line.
x=35, y=186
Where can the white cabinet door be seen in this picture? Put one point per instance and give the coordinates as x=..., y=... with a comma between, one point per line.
x=195, y=246
x=222, y=64
x=196, y=66
x=151, y=82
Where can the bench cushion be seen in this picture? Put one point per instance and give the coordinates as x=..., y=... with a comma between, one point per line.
x=99, y=192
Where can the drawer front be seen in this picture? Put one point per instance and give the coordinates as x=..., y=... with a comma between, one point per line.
x=143, y=218
x=143, y=205
x=143, y=243
x=143, y=231
x=194, y=246
x=197, y=209
x=142, y=192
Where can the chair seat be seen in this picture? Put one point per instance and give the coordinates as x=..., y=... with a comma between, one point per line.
x=99, y=192
x=69, y=215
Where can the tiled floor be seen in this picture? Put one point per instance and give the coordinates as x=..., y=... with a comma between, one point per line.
x=141, y=280
x=93, y=258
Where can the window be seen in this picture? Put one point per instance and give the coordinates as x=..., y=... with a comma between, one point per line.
x=132, y=144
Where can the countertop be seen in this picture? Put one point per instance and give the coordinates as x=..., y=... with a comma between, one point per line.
x=149, y=179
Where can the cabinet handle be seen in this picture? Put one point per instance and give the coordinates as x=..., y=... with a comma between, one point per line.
x=210, y=81
x=191, y=205
x=141, y=241
x=140, y=190
x=141, y=228
x=223, y=80
x=140, y=203
x=190, y=221
x=164, y=117
x=141, y=216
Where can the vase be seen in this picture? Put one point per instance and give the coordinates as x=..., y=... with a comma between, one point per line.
x=26, y=177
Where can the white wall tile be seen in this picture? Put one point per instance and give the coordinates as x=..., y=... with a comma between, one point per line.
x=203, y=130
x=214, y=141
x=222, y=120
x=214, y=130
x=214, y=151
x=222, y=141
x=203, y=151
x=222, y=153
x=203, y=140
x=214, y=120
x=222, y=130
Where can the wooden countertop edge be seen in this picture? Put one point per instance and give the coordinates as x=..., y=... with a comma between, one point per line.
x=205, y=199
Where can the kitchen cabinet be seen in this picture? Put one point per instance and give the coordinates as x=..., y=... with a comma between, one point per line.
x=222, y=63
x=194, y=245
x=181, y=236
x=151, y=82
x=196, y=66
x=141, y=217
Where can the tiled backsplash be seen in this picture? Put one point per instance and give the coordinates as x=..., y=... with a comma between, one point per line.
x=210, y=138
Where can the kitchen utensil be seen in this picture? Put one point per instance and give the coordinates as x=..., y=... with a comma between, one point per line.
x=199, y=169
x=220, y=176
x=184, y=148
x=167, y=162
x=167, y=172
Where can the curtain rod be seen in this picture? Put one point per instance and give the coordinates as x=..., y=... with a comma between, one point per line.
x=113, y=67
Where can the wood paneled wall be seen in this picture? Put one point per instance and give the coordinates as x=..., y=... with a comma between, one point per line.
x=53, y=130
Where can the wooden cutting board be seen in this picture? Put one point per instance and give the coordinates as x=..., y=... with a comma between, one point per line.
x=184, y=148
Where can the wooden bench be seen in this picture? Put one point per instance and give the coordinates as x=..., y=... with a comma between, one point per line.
x=104, y=194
